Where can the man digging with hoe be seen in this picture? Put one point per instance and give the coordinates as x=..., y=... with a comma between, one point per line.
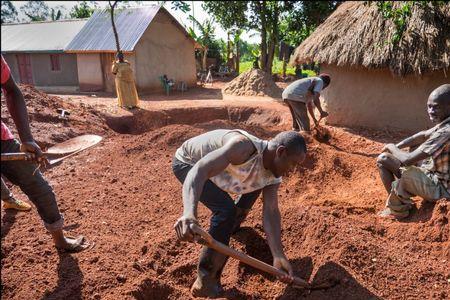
x=220, y=162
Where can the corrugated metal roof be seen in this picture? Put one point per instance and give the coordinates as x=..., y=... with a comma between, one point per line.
x=39, y=36
x=97, y=34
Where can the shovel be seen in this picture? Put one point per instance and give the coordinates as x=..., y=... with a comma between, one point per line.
x=209, y=241
x=59, y=151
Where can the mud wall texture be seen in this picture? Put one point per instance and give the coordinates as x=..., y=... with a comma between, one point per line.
x=164, y=49
x=377, y=99
x=90, y=72
x=42, y=72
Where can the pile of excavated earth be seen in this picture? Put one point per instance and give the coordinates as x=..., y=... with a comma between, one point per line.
x=49, y=126
x=254, y=82
x=123, y=197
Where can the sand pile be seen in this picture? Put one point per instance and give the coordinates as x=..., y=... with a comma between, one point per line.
x=253, y=83
x=46, y=125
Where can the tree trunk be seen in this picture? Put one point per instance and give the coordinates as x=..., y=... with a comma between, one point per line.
x=205, y=54
x=270, y=54
x=228, y=49
x=273, y=41
x=116, y=35
x=263, y=46
x=284, y=68
x=238, y=55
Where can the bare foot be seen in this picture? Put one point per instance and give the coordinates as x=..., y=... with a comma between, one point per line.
x=387, y=214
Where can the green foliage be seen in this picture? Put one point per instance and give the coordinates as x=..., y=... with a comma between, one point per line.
x=399, y=14
x=36, y=10
x=9, y=13
x=206, y=31
x=313, y=13
x=291, y=21
x=298, y=23
x=84, y=10
x=277, y=68
x=57, y=13
x=228, y=14
x=248, y=51
x=181, y=5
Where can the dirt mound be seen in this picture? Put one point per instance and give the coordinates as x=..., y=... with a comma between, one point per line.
x=47, y=126
x=125, y=198
x=253, y=83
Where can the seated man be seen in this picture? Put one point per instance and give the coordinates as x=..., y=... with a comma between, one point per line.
x=301, y=96
x=399, y=173
x=221, y=162
x=26, y=174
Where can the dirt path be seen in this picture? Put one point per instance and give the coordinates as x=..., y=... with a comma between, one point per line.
x=123, y=196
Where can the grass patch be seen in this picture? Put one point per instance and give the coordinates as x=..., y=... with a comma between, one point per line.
x=277, y=68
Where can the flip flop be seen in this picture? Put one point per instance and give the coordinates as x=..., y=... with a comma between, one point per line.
x=81, y=245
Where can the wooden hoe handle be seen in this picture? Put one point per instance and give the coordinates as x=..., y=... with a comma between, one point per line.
x=15, y=156
x=251, y=261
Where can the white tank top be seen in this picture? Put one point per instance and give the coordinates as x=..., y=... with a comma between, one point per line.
x=235, y=179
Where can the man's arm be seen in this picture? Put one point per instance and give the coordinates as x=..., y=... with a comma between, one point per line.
x=18, y=110
x=316, y=100
x=310, y=107
x=272, y=228
x=406, y=158
x=235, y=151
x=414, y=140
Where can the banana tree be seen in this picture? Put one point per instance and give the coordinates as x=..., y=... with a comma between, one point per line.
x=204, y=38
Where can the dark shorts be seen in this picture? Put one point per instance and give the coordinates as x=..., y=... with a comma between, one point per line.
x=219, y=202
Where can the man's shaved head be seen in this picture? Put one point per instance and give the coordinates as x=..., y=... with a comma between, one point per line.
x=289, y=149
x=439, y=104
x=292, y=140
x=442, y=94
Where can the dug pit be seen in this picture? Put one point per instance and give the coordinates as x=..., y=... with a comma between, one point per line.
x=123, y=196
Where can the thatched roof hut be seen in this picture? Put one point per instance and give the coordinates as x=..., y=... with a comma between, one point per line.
x=375, y=82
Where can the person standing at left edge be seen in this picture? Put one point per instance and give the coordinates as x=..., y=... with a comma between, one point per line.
x=25, y=173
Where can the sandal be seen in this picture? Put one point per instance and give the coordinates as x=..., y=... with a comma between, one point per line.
x=80, y=244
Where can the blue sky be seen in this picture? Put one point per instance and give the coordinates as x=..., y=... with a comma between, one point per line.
x=196, y=6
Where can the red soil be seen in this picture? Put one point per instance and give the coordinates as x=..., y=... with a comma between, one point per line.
x=123, y=196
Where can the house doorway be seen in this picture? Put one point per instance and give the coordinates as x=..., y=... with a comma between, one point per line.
x=25, y=70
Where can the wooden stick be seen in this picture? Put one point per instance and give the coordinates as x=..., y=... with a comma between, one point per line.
x=251, y=261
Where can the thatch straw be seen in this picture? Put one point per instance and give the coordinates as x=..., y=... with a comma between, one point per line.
x=356, y=34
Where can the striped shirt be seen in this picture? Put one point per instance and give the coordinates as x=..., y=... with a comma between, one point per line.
x=438, y=147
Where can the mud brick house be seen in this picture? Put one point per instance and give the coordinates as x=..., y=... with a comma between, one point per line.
x=77, y=55
x=375, y=82
x=152, y=40
x=35, y=53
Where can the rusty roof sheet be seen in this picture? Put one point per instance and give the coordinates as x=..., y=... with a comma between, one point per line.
x=97, y=35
